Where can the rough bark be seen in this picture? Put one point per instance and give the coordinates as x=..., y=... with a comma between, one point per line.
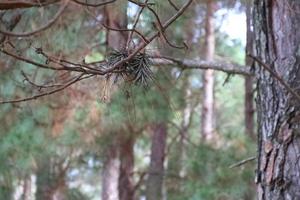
x=249, y=103
x=126, y=187
x=277, y=41
x=156, y=171
x=207, y=125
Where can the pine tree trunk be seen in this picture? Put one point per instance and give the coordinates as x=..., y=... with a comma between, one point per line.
x=249, y=104
x=208, y=76
x=277, y=37
x=26, y=194
x=50, y=181
x=156, y=171
x=117, y=181
x=110, y=174
x=126, y=187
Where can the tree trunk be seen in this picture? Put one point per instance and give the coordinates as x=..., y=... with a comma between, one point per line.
x=156, y=170
x=249, y=104
x=117, y=181
x=110, y=174
x=44, y=181
x=26, y=195
x=277, y=37
x=208, y=76
x=50, y=181
x=126, y=187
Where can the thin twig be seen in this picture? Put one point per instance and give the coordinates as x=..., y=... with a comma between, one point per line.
x=136, y=20
x=47, y=25
x=78, y=78
x=242, y=162
x=94, y=5
x=143, y=45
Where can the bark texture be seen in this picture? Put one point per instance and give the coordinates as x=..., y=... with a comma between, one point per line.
x=156, y=170
x=277, y=38
x=207, y=125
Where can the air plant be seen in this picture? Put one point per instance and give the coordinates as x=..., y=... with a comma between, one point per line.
x=136, y=71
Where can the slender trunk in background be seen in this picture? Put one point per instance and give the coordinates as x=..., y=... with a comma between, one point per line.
x=154, y=185
x=26, y=195
x=126, y=187
x=44, y=181
x=110, y=174
x=249, y=104
x=117, y=170
x=277, y=43
x=185, y=125
x=50, y=181
x=207, y=125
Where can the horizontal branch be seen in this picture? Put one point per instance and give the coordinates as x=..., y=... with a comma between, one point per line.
x=14, y=4
x=73, y=81
x=42, y=28
x=200, y=64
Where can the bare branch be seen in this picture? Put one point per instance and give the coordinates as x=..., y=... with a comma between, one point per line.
x=128, y=30
x=47, y=25
x=136, y=20
x=242, y=162
x=200, y=64
x=72, y=81
x=78, y=78
x=13, y=4
x=94, y=5
x=143, y=45
x=173, y=5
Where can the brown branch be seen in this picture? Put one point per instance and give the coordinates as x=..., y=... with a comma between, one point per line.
x=127, y=30
x=78, y=78
x=26, y=78
x=276, y=76
x=93, y=5
x=42, y=28
x=242, y=162
x=136, y=20
x=173, y=5
x=143, y=45
x=141, y=4
x=200, y=64
x=14, y=4
x=76, y=66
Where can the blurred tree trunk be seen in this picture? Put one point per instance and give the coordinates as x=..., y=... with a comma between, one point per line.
x=277, y=37
x=117, y=174
x=44, y=182
x=126, y=187
x=110, y=174
x=26, y=195
x=50, y=181
x=156, y=171
x=249, y=104
x=6, y=191
x=207, y=125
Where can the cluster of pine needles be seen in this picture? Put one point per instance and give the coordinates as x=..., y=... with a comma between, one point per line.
x=136, y=71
